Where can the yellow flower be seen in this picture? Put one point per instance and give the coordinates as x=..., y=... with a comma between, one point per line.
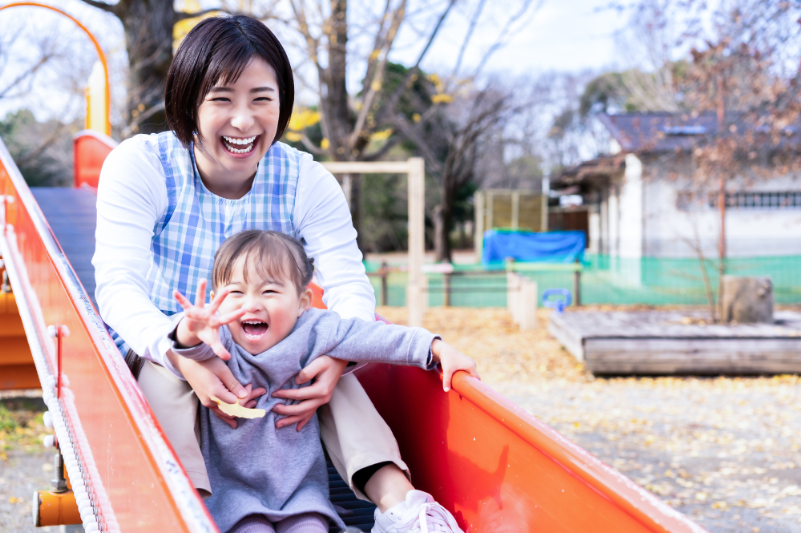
x=416, y=117
x=442, y=99
x=303, y=118
x=293, y=136
x=325, y=144
x=381, y=135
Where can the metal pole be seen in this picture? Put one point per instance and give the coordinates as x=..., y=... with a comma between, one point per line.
x=414, y=290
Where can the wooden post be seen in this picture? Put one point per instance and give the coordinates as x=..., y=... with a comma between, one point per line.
x=577, y=285
x=414, y=290
x=528, y=304
x=490, y=201
x=512, y=294
x=415, y=169
x=515, y=209
x=544, y=221
x=478, y=230
x=384, y=291
x=446, y=288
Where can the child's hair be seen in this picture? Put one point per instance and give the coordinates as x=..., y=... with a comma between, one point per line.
x=217, y=50
x=276, y=256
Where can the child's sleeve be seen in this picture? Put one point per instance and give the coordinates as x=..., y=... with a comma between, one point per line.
x=376, y=342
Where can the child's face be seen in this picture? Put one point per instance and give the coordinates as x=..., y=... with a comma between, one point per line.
x=272, y=308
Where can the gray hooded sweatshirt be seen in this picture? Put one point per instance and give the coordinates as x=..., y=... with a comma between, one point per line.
x=257, y=469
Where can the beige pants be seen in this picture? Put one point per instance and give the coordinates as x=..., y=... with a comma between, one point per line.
x=353, y=432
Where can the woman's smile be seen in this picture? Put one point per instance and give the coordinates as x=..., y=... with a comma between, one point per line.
x=240, y=147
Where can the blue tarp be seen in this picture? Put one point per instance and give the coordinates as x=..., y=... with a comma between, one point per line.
x=551, y=247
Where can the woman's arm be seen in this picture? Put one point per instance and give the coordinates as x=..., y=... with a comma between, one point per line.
x=131, y=198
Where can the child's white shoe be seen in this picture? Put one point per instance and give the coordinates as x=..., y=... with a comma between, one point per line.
x=420, y=513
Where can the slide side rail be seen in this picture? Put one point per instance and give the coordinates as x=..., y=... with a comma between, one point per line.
x=124, y=473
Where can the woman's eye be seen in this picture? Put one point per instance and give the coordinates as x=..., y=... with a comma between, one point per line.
x=263, y=99
x=235, y=293
x=269, y=291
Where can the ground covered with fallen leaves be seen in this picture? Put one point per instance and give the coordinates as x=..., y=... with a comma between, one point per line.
x=724, y=451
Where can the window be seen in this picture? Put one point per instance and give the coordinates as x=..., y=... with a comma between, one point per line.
x=686, y=200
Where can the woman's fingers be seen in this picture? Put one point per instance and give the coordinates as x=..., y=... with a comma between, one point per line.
x=224, y=373
x=304, y=421
x=301, y=409
x=299, y=420
x=317, y=390
x=294, y=414
x=230, y=420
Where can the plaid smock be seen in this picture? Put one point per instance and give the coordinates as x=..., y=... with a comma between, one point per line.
x=197, y=221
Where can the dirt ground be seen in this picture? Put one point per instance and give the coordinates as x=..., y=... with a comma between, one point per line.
x=724, y=451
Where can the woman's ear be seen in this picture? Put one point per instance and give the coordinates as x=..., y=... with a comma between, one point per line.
x=306, y=298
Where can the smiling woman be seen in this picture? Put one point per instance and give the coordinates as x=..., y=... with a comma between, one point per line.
x=167, y=201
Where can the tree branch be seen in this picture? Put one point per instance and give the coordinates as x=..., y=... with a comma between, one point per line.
x=108, y=8
x=183, y=15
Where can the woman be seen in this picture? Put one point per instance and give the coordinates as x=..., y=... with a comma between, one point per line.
x=167, y=201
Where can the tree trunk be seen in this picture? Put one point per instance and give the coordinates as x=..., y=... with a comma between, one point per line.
x=148, y=26
x=337, y=119
x=442, y=223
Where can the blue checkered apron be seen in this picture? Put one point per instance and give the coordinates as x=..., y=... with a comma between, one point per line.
x=197, y=221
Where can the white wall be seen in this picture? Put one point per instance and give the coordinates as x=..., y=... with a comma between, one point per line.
x=749, y=232
x=631, y=209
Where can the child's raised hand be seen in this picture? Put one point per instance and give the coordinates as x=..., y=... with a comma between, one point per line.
x=201, y=323
x=451, y=360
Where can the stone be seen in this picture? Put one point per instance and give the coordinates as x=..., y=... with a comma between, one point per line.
x=747, y=300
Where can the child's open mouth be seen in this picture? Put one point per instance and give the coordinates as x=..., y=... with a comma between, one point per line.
x=240, y=145
x=253, y=329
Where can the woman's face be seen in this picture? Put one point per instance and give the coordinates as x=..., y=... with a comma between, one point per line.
x=236, y=125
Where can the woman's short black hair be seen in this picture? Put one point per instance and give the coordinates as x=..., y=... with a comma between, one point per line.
x=218, y=50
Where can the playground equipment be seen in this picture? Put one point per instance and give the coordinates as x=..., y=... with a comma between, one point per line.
x=495, y=466
x=557, y=299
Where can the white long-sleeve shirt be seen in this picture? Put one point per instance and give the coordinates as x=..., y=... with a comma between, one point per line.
x=132, y=197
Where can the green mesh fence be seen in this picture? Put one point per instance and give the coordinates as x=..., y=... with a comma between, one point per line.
x=604, y=280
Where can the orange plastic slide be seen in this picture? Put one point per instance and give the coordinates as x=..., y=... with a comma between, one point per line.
x=496, y=467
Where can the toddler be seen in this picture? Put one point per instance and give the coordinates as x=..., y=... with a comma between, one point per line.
x=266, y=479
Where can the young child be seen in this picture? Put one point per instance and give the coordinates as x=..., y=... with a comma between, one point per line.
x=266, y=479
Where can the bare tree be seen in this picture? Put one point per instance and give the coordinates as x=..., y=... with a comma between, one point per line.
x=350, y=121
x=148, y=26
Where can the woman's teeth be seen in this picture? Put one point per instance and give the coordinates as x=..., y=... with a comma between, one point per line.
x=245, y=144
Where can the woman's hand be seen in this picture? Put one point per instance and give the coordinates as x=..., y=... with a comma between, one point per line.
x=451, y=360
x=213, y=378
x=325, y=372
